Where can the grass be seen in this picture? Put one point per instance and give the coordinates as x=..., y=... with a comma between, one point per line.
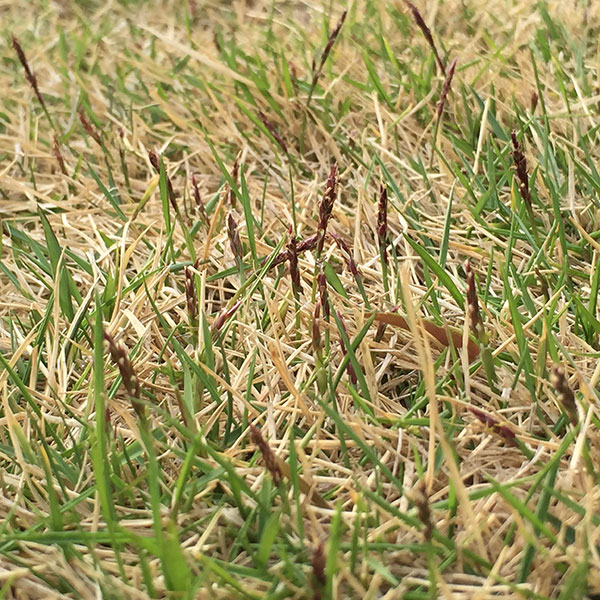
x=411, y=412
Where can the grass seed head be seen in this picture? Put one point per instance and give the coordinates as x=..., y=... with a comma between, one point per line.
x=29, y=75
x=120, y=356
x=564, y=393
x=322, y=286
x=343, y=246
x=426, y=32
x=316, y=329
x=58, y=155
x=318, y=570
x=234, y=237
x=234, y=176
x=349, y=368
x=326, y=207
x=89, y=128
x=543, y=283
x=272, y=130
x=198, y=200
x=308, y=243
x=475, y=321
x=534, y=101
x=495, y=425
x=421, y=500
x=225, y=315
x=330, y=42
x=155, y=162
x=382, y=223
x=267, y=454
x=521, y=169
x=292, y=250
x=191, y=299
x=446, y=88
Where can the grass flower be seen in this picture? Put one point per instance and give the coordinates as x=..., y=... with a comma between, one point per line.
x=267, y=454
x=426, y=33
x=120, y=356
x=564, y=393
x=317, y=71
x=326, y=208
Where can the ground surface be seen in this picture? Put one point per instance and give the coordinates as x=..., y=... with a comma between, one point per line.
x=439, y=456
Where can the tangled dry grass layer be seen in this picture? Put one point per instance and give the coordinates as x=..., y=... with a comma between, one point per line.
x=240, y=431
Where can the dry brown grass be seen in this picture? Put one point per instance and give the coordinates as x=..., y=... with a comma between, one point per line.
x=136, y=101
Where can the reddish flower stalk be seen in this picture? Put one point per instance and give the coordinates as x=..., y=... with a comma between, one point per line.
x=349, y=367
x=332, y=37
x=198, y=200
x=316, y=329
x=155, y=162
x=326, y=207
x=120, y=356
x=89, y=128
x=475, y=321
x=446, y=88
x=534, y=101
x=426, y=32
x=564, y=393
x=234, y=238
x=267, y=454
x=521, y=169
x=226, y=314
x=350, y=262
x=421, y=500
x=107, y=421
x=382, y=225
x=191, y=299
x=292, y=249
x=272, y=130
x=381, y=327
x=543, y=283
x=502, y=430
x=318, y=571
x=59, y=156
x=29, y=75
x=380, y=332
x=323, y=296
x=234, y=177
x=302, y=246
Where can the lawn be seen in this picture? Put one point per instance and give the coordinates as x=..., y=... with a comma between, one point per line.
x=299, y=299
